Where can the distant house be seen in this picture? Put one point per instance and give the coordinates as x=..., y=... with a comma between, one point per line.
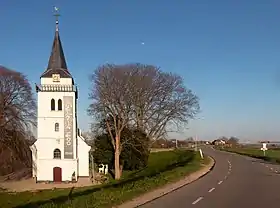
x=219, y=142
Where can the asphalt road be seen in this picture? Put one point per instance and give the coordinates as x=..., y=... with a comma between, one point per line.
x=235, y=181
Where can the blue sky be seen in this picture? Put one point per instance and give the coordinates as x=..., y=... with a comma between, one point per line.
x=227, y=51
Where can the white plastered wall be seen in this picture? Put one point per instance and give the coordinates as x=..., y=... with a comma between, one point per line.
x=45, y=169
x=48, y=139
x=83, y=154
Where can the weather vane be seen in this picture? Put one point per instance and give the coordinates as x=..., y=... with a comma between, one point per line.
x=56, y=14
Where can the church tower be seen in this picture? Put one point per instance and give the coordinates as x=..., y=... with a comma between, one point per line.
x=55, y=153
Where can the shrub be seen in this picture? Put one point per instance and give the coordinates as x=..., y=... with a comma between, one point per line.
x=135, y=151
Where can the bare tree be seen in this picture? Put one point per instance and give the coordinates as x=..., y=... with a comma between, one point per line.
x=161, y=102
x=17, y=105
x=88, y=135
x=233, y=141
x=17, y=113
x=141, y=96
x=89, y=138
x=189, y=139
x=111, y=100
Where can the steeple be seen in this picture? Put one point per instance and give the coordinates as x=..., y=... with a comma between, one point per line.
x=57, y=63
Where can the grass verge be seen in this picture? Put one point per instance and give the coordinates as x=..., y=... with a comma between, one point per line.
x=163, y=168
x=270, y=156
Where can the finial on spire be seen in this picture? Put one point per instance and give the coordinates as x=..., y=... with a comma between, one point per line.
x=56, y=14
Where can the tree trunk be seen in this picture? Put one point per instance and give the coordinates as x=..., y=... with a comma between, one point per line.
x=118, y=172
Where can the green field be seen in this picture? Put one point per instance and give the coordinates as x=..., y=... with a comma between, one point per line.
x=272, y=155
x=163, y=168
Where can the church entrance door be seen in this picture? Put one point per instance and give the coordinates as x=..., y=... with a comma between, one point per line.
x=57, y=174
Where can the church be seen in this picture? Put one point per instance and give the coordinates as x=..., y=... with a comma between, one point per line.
x=60, y=153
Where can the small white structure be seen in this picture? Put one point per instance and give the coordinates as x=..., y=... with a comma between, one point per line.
x=60, y=152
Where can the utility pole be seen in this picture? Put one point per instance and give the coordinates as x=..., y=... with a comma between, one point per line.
x=195, y=143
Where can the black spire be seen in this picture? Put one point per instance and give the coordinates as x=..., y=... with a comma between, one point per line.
x=57, y=63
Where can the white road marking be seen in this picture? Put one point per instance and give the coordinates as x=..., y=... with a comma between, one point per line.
x=212, y=189
x=199, y=199
x=229, y=166
x=220, y=182
x=225, y=177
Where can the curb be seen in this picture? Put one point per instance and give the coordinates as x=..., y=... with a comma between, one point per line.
x=157, y=193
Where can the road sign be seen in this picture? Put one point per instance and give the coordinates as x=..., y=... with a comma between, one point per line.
x=264, y=148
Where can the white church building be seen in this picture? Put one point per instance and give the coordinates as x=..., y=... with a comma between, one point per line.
x=60, y=153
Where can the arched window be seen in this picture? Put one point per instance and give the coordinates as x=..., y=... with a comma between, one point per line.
x=52, y=104
x=59, y=104
x=57, y=154
x=56, y=127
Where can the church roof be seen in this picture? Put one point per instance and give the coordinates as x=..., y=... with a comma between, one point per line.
x=57, y=63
